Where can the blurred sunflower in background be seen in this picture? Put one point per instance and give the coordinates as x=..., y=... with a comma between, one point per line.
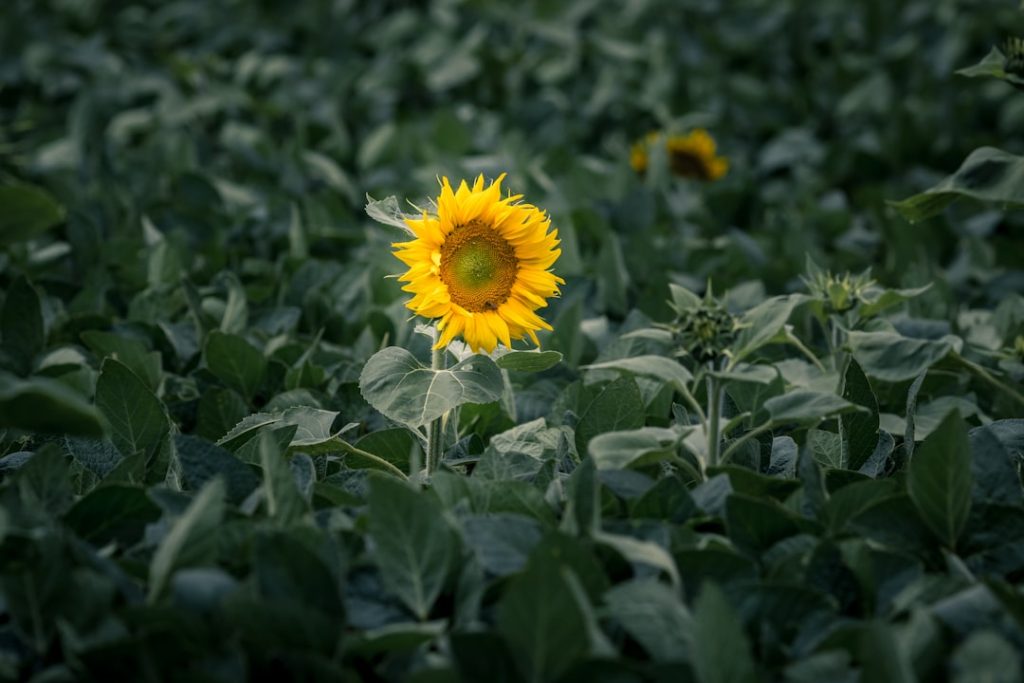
x=693, y=155
x=480, y=267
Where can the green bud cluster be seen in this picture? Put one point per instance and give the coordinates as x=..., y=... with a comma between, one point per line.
x=704, y=331
x=839, y=292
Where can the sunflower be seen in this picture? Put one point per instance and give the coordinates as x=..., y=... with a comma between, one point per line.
x=481, y=266
x=689, y=156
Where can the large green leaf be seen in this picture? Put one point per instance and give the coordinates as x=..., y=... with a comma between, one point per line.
x=894, y=358
x=987, y=175
x=658, y=367
x=882, y=656
x=719, y=648
x=285, y=502
x=22, y=332
x=27, y=211
x=761, y=324
x=138, y=421
x=112, y=513
x=654, y=616
x=529, y=361
x=502, y=542
x=756, y=523
x=993, y=463
x=546, y=619
x=130, y=351
x=235, y=362
x=939, y=481
x=859, y=430
x=986, y=656
x=219, y=410
x=46, y=406
x=97, y=456
x=640, y=552
x=201, y=461
x=313, y=431
x=397, y=385
x=191, y=539
x=618, y=407
x=992, y=66
x=618, y=450
x=805, y=406
x=413, y=545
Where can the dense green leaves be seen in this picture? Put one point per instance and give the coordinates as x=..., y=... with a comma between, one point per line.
x=215, y=404
x=546, y=619
x=939, y=481
x=46, y=406
x=28, y=211
x=414, y=546
x=190, y=540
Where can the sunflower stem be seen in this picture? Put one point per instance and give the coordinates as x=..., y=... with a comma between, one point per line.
x=986, y=376
x=714, y=417
x=735, y=445
x=435, y=431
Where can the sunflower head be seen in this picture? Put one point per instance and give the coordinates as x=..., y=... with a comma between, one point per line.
x=481, y=266
x=689, y=156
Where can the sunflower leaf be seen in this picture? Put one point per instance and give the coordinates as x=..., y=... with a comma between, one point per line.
x=403, y=389
x=987, y=175
x=386, y=211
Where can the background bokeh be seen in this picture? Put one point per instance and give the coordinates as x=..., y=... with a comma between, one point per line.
x=250, y=125
x=206, y=427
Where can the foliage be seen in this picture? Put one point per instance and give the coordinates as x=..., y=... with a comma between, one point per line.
x=214, y=410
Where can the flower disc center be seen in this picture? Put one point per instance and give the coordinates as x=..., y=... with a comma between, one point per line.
x=688, y=165
x=478, y=266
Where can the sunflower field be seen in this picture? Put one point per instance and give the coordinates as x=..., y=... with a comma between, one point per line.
x=534, y=342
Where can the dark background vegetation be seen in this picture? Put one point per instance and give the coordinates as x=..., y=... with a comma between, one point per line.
x=201, y=271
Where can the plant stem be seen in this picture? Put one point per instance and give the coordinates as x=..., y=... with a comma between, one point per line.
x=714, y=416
x=691, y=401
x=838, y=355
x=349, y=448
x=984, y=374
x=435, y=431
x=806, y=351
x=735, y=445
